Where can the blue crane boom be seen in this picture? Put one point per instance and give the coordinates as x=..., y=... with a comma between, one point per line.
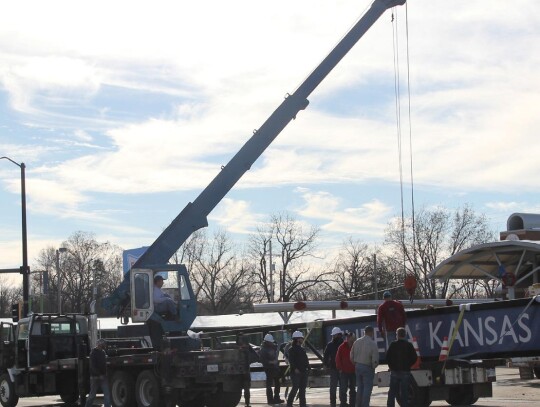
x=194, y=215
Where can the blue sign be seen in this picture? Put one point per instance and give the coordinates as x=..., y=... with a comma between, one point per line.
x=130, y=256
x=491, y=330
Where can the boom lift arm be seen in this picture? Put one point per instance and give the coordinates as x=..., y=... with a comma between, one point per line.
x=194, y=215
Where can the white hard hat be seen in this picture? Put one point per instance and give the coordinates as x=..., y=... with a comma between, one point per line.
x=336, y=331
x=297, y=334
x=268, y=338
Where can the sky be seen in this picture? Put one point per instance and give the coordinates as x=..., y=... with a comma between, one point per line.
x=124, y=111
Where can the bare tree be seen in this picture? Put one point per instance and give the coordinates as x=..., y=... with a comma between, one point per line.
x=86, y=265
x=435, y=235
x=353, y=269
x=258, y=252
x=294, y=246
x=219, y=277
x=9, y=294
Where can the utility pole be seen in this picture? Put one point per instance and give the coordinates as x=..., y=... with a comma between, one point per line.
x=24, y=269
x=59, y=276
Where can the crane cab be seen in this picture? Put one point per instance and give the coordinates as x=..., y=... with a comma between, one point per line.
x=177, y=286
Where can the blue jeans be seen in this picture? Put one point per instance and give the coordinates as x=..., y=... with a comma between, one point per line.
x=364, y=384
x=347, y=381
x=299, y=384
x=95, y=383
x=399, y=388
x=334, y=382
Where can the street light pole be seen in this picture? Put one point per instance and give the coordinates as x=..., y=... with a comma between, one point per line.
x=59, y=282
x=25, y=270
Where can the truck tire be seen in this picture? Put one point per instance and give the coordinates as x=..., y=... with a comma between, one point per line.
x=122, y=389
x=70, y=399
x=461, y=395
x=418, y=396
x=8, y=398
x=147, y=390
x=224, y=399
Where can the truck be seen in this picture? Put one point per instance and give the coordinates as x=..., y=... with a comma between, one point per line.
x=160, y=362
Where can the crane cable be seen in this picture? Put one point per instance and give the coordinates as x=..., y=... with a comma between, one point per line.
x=397, y=91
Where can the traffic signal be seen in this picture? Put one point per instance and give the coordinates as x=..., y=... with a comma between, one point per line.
x=16, y=311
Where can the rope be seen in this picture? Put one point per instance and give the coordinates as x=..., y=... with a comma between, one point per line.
x=395, y=44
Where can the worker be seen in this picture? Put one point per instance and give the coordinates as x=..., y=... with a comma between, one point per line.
x=98, y=374
x=269, y=353
x=390, y=316
x=299, y=365
x=329, y=361
x=250, y=357
x=162, y=301
x=365, y=356
x=400, y=356
x=347, y=376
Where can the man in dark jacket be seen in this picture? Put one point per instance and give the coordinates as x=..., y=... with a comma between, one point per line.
x=250, y=357
x=400, y=357
x=299, y=365
x=329, y=360
x=269, y=353
x=98, y=374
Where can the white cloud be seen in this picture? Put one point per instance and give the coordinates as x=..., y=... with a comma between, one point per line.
x=367, y=219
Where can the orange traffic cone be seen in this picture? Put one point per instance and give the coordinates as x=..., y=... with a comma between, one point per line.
x=444, y=350
x=418, y=360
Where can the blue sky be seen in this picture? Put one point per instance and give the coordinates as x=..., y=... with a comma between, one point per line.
x=124, y=111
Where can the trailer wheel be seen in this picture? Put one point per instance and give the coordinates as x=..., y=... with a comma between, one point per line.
x=8, y=398
x=224, y=399
x=537, y=372
x=147, y=390
x=122, y=389
x=418, y=396
x=461, y=395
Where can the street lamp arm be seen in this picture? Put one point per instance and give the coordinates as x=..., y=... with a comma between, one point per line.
x=14, y=162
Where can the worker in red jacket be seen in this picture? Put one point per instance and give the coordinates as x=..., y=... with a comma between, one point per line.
x=347, y=376
x=390, y=317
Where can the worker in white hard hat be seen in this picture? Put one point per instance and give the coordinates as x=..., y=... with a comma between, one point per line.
x=269, y=358
x=299, y=365
x=329, y=361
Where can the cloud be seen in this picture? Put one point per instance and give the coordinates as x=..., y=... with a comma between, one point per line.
x=367, y=219
x=235, y=216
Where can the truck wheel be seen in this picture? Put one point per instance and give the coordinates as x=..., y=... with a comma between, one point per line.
x=147, y=390
x=122, y=389
x=418, y=396
x=461, y=395
x=537, y=372
x=8, y=398
x=69, y=399
x=224, y=399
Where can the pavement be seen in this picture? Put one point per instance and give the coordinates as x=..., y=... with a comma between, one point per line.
x=508, y=390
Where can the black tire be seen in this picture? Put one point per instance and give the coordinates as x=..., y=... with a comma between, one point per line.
x=8, y=398
x=70, y=399
x=224, y=399
x=461, y=396
x=147, y=390
x=418, y=396
x=122, y=389
x=537, y=372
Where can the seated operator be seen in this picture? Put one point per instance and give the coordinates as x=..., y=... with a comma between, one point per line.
x=162, y=301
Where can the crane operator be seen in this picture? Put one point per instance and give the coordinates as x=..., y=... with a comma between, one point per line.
x=163, y=303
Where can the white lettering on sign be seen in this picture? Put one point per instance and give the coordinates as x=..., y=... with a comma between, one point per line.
x=483, y=331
